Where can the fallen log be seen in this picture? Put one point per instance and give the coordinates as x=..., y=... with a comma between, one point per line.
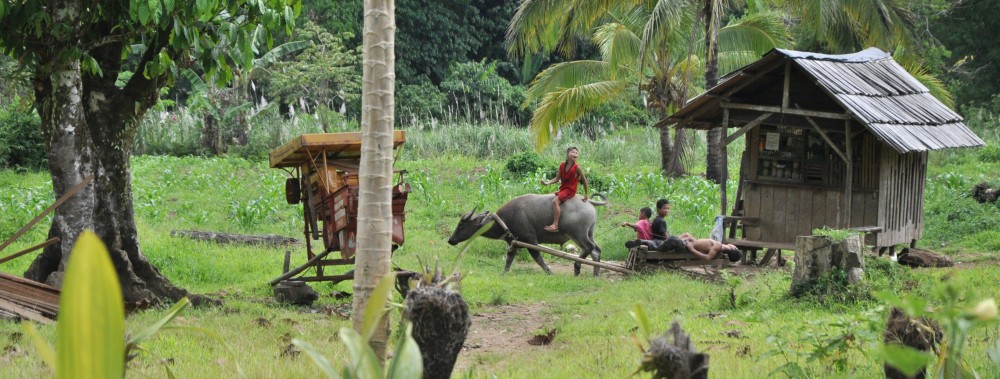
x=228, y=238
x=608, y=266
x=923, y=258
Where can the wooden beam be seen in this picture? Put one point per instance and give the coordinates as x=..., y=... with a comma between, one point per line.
x=725, y=160
x=752, y=78
x=850, y=173
x=728, y=140
x=787, y=85
x=797, y=112
x=825, y=137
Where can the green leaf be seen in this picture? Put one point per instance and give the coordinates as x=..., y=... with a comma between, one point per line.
x=364, y=363
x=906, y=359
x=407, y=361
x=375, y=307
x=153, y=329
x=204, y=9
x=642, y=320
x=90, y=334
x=45, y=351
x=318, y=358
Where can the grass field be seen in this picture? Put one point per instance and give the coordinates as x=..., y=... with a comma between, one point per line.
x=760, y=331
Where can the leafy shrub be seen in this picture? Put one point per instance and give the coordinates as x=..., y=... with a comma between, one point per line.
x=21, y=142
x=474, y=89
x=419, y=102
x=990, y=153
x=525, y=163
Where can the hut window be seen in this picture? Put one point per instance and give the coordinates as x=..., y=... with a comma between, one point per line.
x=789, y=154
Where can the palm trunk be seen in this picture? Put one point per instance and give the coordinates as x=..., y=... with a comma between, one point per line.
x=375, y=174
x=713, y=159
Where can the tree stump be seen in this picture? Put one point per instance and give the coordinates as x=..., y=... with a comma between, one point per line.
x=441, y=321
x=818, y=255
x=923, y=258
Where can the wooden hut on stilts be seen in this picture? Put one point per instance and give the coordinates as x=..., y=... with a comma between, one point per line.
x=837, y=141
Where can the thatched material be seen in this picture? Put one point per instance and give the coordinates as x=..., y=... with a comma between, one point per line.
x=983, y=193
x=922, y=334
x=674, y=356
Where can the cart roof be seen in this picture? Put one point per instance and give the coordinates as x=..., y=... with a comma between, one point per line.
x=338, y=146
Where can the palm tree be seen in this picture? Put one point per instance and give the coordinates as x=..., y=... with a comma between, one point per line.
x=847, y=26
x=375, y=174
x=644, y=45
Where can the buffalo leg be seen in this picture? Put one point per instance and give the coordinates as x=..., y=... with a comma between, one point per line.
x=538, y=259
x=511, y=253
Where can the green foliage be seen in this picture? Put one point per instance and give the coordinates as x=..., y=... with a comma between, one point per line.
x=821, y=347
x=835, y=235
x=954, y=309
x=525, y=163
x=419, y=102
x=327, y=74
x=21, y=143
x=474, y=90
x=990, y=153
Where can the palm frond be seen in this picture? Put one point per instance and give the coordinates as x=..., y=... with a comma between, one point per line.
x=619, y=48
x=752, y=35
x=565, y=75
x=664, y=24
x=934, y=84
x=532, y=28
x=564, y=106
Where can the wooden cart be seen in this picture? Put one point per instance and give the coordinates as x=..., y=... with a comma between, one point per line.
x=324, y=179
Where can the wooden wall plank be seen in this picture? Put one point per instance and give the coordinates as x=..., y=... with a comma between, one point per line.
x=767, y=213
x=819, y=208
x=781, y=212
x=751, y=202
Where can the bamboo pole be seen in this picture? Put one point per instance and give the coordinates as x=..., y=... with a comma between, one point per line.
x=72, y=191
x=612, y=267
x=30, y=249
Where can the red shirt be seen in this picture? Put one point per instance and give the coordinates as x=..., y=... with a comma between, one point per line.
x=568, y=181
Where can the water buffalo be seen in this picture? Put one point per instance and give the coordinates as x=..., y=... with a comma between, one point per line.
x=526, y=216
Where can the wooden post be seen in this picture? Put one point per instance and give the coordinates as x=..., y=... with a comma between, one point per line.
x=848, y=190
x=787, y=85
x=725, y=160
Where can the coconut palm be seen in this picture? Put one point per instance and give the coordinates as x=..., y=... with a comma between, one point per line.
x=375, y=174
x=644, y=45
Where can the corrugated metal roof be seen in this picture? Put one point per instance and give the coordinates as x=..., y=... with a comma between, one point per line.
x=870, y=86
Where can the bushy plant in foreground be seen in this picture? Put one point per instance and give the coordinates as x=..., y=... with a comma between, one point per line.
x=21, y=143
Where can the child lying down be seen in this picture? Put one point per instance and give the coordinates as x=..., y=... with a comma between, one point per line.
x=702, y=248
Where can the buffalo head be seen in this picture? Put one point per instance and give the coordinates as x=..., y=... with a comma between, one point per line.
x=468, y=225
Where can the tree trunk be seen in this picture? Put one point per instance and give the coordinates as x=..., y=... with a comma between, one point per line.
x=675, y=168
x=713, y=159
x=375, y=173
x=666, y=150
x=89, y=125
